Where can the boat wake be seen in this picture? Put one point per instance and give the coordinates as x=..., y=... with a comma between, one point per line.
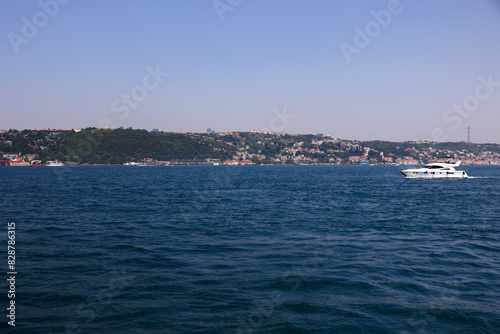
x=484, y=177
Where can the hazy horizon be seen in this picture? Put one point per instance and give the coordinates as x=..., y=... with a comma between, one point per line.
x=379, y=70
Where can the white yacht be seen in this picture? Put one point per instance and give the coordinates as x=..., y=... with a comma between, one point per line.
x=55, y=163
x=436, y=170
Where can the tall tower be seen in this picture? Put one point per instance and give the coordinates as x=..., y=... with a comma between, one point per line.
x=468, y=137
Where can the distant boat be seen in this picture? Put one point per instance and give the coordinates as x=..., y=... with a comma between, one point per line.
x=18, y=162
x=36, y=163
x=55, y=163
x=436, y=170
x=135, y=164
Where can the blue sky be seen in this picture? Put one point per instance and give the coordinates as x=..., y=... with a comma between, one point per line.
x=425, y=70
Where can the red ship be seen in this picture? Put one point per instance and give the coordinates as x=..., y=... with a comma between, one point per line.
x=16, y=162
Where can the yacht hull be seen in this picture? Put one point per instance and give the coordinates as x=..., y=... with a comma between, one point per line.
x=418, y=174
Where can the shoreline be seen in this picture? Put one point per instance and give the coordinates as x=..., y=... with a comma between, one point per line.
x=244, y=165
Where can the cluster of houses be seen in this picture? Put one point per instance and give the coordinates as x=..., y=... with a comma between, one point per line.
x=300, y=151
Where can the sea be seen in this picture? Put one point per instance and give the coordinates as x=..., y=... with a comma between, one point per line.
x=249, y=249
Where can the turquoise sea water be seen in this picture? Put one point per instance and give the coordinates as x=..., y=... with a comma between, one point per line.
x=251, y=249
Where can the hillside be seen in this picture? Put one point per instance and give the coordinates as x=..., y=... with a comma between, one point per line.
x=107, y=146
x=102, y=146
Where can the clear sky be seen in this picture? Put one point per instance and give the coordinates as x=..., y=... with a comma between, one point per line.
x=378, y=69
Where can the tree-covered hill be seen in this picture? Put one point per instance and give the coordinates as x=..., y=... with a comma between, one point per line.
x=119, y=146
x=104, y=146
